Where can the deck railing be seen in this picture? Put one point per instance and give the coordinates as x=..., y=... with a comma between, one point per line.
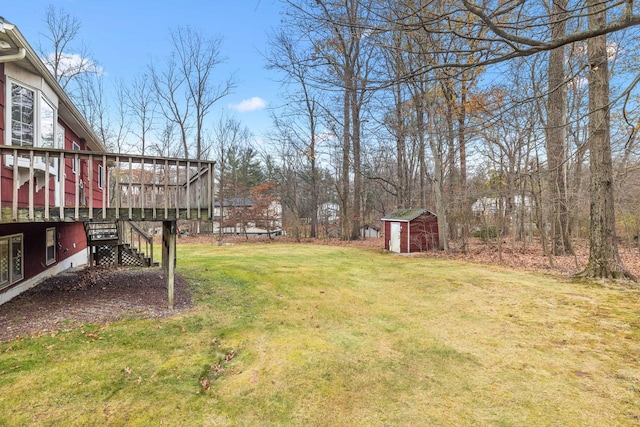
x=138, y=239
x=139, y=188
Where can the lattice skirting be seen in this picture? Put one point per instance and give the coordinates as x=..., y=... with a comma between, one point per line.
x=106, y=255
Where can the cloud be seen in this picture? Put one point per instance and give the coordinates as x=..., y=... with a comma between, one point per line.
x=251, y=104
x=72, y=63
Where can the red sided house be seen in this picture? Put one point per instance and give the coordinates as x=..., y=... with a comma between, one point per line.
x=410, y=230
x=64, y=200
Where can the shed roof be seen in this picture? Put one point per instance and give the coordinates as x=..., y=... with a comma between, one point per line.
x=370, y=226
x=406, y=214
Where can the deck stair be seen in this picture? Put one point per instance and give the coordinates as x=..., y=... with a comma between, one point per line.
x=121, y=243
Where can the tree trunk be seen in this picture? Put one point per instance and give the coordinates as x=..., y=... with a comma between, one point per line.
x=438, y=178
x=346, y=145
x=451, y=155
x=556, y=135
x=401, y=152
x=314, y=187
x=604, y=259
x=464, y=208
x=422, y=170
x=357, y=165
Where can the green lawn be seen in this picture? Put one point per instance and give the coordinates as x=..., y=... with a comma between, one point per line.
x=320, y=335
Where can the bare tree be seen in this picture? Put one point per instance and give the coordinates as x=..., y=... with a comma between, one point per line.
x=140, y=99
x=604, y=259
x=229, y=137
x=65, y=60
x=198, y=57
x=340, y=36
x=185, y=87
x=556, y=134
x=168, y=86
x=287, y=57
x=518, y=30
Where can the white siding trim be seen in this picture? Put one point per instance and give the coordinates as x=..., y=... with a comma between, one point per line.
x=78, y=260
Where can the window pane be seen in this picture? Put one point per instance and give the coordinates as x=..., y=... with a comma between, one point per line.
x=51, y=245
x=27, y=134
x=60, y=143
x=16, y=258
x=4, y=261
x=51, y=254
x=46, y=124
x=74, y=166
x=22, y=106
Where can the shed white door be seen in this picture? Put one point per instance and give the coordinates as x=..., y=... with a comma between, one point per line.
x=394, y=240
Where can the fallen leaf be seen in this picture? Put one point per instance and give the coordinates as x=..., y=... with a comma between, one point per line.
x=230, y=356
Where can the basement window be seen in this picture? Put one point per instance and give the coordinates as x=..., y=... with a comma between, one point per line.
x=11, y=260
x=51, y=245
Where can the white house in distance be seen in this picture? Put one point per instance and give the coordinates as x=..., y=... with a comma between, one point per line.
x=244, y=216
x=491, y=205
x=329, y=213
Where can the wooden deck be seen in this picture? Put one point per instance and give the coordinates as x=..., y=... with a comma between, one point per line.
x=131, y=187
x=109, y=214
x=53, y=185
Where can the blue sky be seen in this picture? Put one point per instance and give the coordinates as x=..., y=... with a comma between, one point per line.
x=124, y=35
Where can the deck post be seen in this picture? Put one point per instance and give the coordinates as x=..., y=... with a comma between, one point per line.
x=169, y=229
x=46, y=186
x=16, y=182
x=90, y=184
x=105, y=187
x=32, y=184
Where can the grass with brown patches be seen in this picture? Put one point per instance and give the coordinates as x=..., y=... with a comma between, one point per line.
x=319, y=335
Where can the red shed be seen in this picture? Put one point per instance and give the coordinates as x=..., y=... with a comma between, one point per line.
x=411, y=230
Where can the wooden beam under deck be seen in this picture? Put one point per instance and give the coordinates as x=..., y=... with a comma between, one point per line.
x=26, y=215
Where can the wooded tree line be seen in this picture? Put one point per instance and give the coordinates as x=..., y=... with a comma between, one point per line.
x=516, y=118
x=509, y=118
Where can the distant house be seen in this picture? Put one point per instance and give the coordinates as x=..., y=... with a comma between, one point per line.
x=491, y=206
x=329, y=213
x=369, y=231
x=247, y=217
x=411, y=230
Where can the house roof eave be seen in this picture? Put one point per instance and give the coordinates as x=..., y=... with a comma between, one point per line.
x=67, y=111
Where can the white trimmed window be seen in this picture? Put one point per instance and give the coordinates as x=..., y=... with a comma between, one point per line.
x=51, y=245
x=74, y=165
x=11, y=260
x=100, y=177
x=22, y=110
x=32, y=117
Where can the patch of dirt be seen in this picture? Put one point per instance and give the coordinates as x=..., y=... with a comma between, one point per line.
x=96, y=295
